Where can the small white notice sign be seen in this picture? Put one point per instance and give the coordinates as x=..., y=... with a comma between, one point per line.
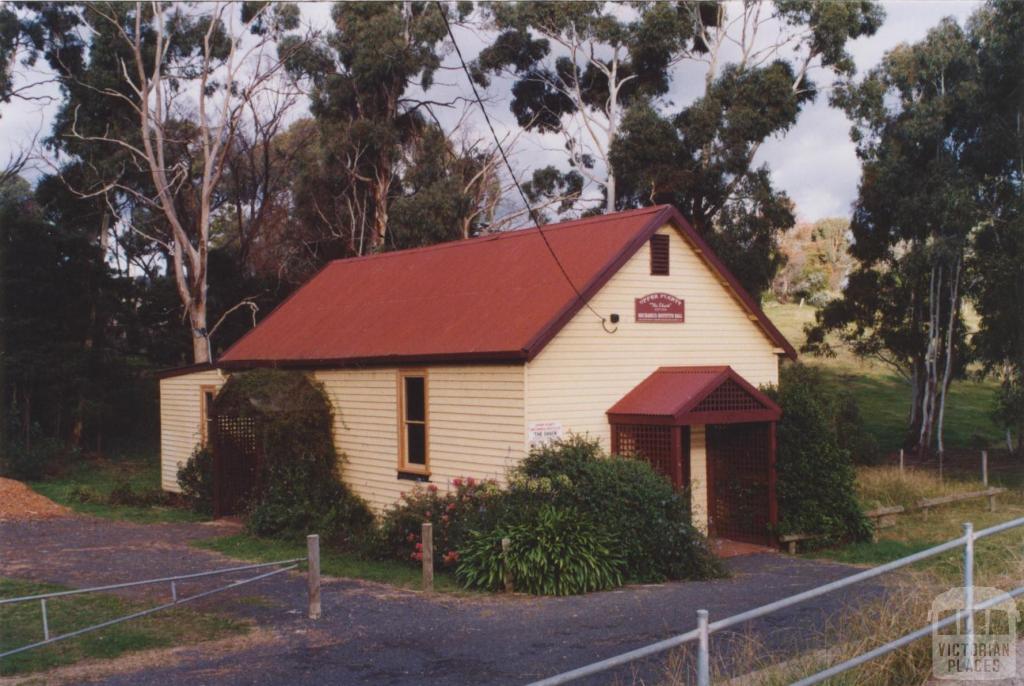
x=543, y=432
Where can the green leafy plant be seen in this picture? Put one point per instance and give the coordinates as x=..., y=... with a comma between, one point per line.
x=643, y=519
x=649, y=521
x=815, y=473
x=195, y=478
x=32, y=460
x=472, y=504
x=298, y=489
x=555, y=552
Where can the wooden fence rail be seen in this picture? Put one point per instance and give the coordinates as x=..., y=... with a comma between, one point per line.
x=885, y=517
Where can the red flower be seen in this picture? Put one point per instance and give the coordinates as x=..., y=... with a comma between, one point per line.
x=471, y=481
x=451, y=507
x=457, y=482
x=419, y=546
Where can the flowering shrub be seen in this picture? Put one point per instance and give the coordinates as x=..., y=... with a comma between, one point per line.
x=470, y=503
x=579, y=519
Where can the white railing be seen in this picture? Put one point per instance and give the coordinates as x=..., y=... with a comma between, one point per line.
x=313, y=573
x=702, y=634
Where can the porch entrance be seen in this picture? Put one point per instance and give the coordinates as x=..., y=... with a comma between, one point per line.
x=739, y=459
x=235, y=462
x=708, y=429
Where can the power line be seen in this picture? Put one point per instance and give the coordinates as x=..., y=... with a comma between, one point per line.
x=508, y=165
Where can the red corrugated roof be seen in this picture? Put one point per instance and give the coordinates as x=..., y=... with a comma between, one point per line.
x=676, y=395
x=498, y=297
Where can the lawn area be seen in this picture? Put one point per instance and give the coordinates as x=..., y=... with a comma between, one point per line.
x=22, y=625
x=995, y=556
x=86, y=487
x=884, y=397
x=332, y=562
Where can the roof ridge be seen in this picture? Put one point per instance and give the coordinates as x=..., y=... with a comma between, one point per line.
x=500, y=235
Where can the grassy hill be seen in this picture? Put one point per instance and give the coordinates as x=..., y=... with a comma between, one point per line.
x=885, y=398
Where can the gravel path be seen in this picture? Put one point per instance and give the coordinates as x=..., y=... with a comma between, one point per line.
x=373, y=634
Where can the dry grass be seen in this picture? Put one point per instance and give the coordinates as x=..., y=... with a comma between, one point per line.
x=888, y=486
x=905, y=604
x=903, y=609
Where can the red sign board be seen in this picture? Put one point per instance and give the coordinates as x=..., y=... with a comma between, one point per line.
x=660, y=308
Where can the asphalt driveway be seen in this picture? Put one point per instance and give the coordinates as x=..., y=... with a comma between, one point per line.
x=375, y=634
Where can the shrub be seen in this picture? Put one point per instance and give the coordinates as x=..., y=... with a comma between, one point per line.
x=647, y=518
x=301, y=497
x=34, y=461
x=556, y=551
x=815, y=475
x=298, y=489
x=195, y=478
x=642, y=519
x=471, y=505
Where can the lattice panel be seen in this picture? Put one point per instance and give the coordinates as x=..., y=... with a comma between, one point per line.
x=739, y=457
x=730, y=396
x=650, y=442
x=236, y=459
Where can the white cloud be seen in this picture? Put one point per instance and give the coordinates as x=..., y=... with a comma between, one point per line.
x=815, y=162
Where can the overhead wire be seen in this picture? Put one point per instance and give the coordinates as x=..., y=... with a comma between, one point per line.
x=508, y=165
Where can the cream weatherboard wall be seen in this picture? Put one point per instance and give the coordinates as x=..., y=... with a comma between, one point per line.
x=475, y=416
x=181, y=402
x=475, y=425
x=583, y=371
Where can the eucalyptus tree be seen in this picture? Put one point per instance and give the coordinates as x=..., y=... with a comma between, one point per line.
x=577, y=67
x=757, y=61
x=916, y=129
x=996, y=259
x=153, y=109
x=384, y=155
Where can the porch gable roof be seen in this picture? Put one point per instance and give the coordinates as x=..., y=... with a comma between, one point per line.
x=694, y=395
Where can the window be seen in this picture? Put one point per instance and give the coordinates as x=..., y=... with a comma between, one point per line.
x=659, y=255
x=206, y=396
x=412, y=412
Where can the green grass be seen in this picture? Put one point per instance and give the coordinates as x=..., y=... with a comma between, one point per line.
x=884, y=397
x=21, y=625
x=332, y=562
x=995, y=556
x=97, y=478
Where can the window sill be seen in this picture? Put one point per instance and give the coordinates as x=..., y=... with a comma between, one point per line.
x=414, y=476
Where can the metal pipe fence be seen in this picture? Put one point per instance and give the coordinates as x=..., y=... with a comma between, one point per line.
x=704, y=628
x=282, y=566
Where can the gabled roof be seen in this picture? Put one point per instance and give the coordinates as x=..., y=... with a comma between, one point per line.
x=694, y=395
x=500, y=297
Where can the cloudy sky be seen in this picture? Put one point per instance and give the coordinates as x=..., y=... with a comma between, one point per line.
x=814, y=162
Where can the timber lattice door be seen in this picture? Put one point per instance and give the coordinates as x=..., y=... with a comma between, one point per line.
x=235, y=462
x=739, y=471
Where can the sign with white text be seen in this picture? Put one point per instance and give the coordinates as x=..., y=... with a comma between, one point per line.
x=660, y=308
x=543, y=432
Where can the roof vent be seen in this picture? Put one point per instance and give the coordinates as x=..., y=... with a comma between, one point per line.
x=659, y=255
